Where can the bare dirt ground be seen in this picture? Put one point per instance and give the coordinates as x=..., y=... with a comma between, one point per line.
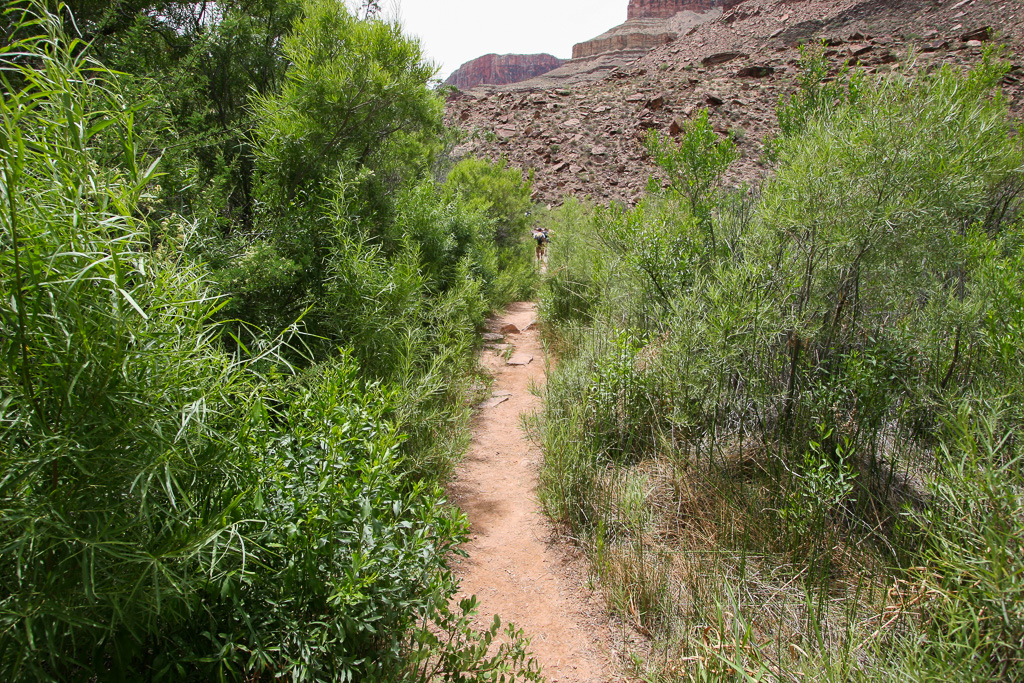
x=516, y=567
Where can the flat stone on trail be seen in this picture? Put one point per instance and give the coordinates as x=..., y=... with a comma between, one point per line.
x=506, y=394
x=492, y=337
x=509, y=328
x=494, y=402
x=520, y=359
x=532, y=326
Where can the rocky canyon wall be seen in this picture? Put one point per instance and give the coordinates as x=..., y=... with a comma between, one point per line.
x=651, y=24
x=635, y=40
x=664, y=9
x=502, y=70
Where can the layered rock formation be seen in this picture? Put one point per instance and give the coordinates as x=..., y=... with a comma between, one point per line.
x=665, y=9
x=502, y=70
x=584, y=137
x=625, y=38
x=650, y=24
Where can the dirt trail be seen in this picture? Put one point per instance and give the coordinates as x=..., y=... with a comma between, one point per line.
x=513, y=567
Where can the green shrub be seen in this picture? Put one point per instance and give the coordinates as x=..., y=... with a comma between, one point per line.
x=973, y=536
x=658, y=239
x=122, y=422
x=502, y=253
x=880, y=220
x=801, y=387
x=818, y=95
x=353, y=87
x=347, y=555
x=171, y=511
x=695, y=166
x=499, y=192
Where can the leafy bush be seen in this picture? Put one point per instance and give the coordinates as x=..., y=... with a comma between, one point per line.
x=973, y=537
x=502, y=249
x=172, y=511
x=352, y=88
x=818, y=95
x=345, y=150
x=695, y=166
x=122, y=421
x=578, y=267
x=880, y=220
x=499, y=192
x=658, y=239
x=346, y=554
x=793, y=391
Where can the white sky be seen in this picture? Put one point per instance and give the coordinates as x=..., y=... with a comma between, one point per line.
x=455, y=31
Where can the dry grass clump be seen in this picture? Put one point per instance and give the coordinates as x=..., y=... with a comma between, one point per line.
x=688, y=557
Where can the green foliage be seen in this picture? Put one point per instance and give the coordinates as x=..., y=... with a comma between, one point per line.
x=121, y=418
x=820, y=487
x=463, y=655
x=806, y=365
x=578, y=269
x=973, y=538
x=695, y=167
x=619, y=412
x=355, y=238
x=194, y=65
x=179, y=501
x=501, y=252
x=818, y=95
x=500, y=192
x=351, y=88
x=347, y=554
x=658, y=239
x=879, y=222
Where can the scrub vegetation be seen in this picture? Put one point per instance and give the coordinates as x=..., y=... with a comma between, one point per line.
x=239, y=291
x=785, y=422
x=240, y=284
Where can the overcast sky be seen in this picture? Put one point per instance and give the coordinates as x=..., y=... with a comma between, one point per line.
x=455, y=31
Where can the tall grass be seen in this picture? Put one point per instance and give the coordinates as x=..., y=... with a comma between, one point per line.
x=121, y=441
x=772, y=419
x=170, y=510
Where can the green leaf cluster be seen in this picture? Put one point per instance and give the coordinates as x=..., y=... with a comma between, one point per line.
x=223, y=419
x=832, y=363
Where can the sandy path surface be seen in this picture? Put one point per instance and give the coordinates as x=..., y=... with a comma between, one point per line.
x=514, y=568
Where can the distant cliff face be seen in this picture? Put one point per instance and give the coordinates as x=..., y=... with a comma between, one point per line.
x=663, y=9
x=502, y=70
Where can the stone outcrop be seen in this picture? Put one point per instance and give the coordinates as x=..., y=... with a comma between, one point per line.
x=650, y=24
x=632, y=39
x=580, y=129
x=639, y=35
x=665, y=9
x=502, y=70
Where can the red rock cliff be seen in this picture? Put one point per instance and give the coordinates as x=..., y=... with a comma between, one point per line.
x=663, y=9
x=502, y=70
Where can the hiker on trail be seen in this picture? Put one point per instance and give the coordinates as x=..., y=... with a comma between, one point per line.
x=540, y=236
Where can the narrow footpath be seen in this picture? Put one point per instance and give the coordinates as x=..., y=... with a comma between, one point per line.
x=515, y=568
